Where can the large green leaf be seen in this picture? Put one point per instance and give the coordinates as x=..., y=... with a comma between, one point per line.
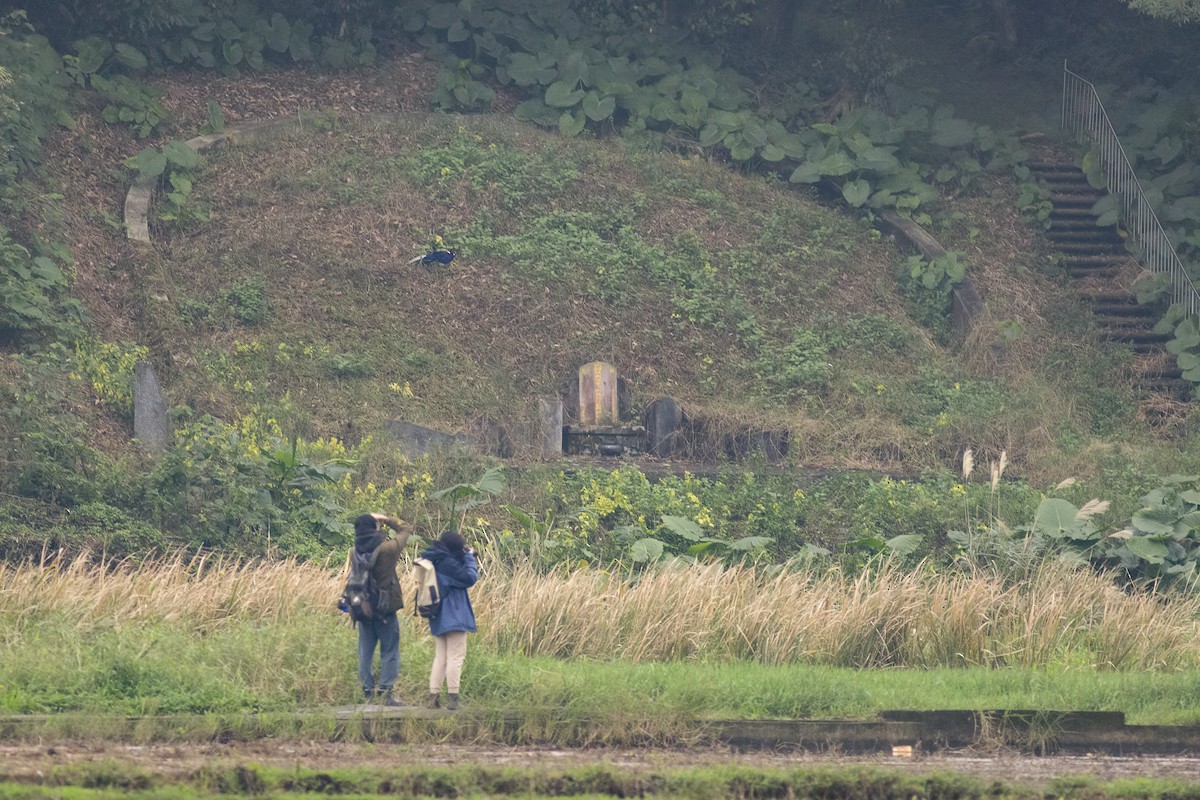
x=529, y=70
x=1157, y=521
x=491, y=481
x=179, y=154
x=1183, y=209
x=772, y=153
x=277, y=33
x=571, y=124
x=598, y=107
x=807, y=172
x=683, y=527
x=1094, y=170
x=1151, y=550
x=48, y=271
x=693, y=102
x=644, y=550
x=1055, y=517
x=740, y=148
x=836, y=164
x=711, y=134
x=952, y=132
x=878, y=159
x=575, y=68
x=1167, y=149
x=131, y=57
x=856, y=192
x=904, y=544
x=562, y=94
x=534, y=110
x=149, y=163
x=1186, y=362
x=443, y=15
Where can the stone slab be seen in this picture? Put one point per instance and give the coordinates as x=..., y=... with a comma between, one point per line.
x=417, y=440
x=151, y=426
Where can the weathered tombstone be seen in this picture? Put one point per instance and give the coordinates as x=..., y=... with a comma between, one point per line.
x=663, y=419
x=550, y=427
x=151, y=427
x=491, y=437
x=598, y=402
x=417, y=440
x=775, y=445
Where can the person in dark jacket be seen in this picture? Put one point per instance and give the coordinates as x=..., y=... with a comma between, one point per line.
x=383, y=630
x=457, y=571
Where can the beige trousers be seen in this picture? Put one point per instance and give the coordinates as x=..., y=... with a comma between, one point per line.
x=448, y=657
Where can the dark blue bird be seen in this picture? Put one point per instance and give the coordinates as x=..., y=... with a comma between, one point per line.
x=442, y=257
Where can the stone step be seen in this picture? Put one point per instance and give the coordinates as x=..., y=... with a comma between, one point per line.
x=1097, y=238
x=1091, y=272
x=1066, y=214
x=1130, y=310
x=1105, y=295
x=1084, y=221
x=1089, y=254
x=1074, y=199
x=1136, y=336
x=1163, y=371
x=1176, y=387
x=1069, y=186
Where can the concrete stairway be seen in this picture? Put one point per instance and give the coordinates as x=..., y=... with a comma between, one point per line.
x=1093, y=256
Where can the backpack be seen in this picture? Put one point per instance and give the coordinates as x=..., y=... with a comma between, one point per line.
x=361, y=594
x=428, y=602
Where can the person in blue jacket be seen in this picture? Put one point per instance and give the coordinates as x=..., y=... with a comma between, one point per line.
x=457, y=571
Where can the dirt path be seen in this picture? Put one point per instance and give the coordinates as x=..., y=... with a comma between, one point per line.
x=30, y=762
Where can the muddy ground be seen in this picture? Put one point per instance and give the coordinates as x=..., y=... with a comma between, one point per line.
x=29, y=762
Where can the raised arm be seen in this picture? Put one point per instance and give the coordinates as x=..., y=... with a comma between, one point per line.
x=403, y=529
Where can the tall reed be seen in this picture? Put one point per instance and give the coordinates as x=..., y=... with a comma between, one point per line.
x=883, y=618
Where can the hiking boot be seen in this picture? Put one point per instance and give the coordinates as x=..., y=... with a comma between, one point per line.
x=368, y=696
x=452, y=702
x=435, y=700
x=390, y=699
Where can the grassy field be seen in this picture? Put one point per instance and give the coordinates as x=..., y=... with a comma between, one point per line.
x=101, y=782
x=211, y=639
x=601, y=781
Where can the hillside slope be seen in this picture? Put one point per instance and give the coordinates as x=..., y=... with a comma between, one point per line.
x=750, y=302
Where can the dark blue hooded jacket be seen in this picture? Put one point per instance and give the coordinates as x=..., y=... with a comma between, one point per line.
x=455, y=574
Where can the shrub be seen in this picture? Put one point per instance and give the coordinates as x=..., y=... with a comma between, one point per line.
x=247, y=301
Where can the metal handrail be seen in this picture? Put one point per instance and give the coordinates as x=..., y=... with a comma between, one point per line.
x=1083, y=115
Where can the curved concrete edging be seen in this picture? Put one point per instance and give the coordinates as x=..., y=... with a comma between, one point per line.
x=965, y=303
x=141, y=192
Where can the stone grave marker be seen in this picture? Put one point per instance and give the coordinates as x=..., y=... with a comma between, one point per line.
x=550, y=427
x=151, y=428
x=598, y=400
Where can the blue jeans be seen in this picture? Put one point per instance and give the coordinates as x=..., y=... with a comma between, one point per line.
x=385, y=632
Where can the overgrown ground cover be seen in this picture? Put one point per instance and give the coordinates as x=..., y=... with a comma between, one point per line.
x=755, y=305
x=99, y=782
x=747, y=301
x=589, y=656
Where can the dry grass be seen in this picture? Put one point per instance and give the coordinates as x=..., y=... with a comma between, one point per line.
x=890, y=618
x=201, y=592
x=883, y=619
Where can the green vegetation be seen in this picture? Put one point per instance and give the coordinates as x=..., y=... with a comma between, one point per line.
x=93, y=781
x=574, y=652
x=701, y=219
